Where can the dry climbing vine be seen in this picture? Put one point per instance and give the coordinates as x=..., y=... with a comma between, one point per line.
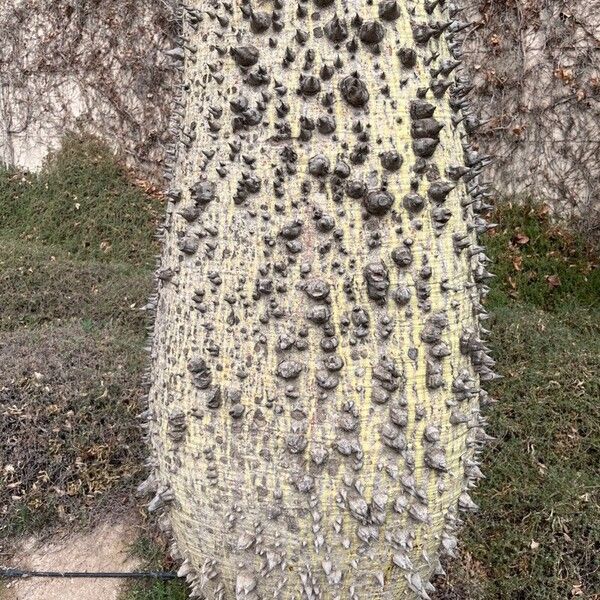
x=535, y=64
x=537, y=77
x=89, y=66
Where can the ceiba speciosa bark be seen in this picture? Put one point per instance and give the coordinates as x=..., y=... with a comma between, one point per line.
x=317, y=355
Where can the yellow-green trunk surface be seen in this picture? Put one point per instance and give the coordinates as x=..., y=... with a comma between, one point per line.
x=314, y=413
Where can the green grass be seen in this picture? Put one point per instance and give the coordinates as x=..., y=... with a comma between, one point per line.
x=72, y=282
x=153, y=552
x=83, y=202
x=157, y=590
x=538, y=534
x=539, y=264
x=42, y=284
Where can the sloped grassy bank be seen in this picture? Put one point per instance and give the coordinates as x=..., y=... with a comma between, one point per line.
x=76, y=258
x=538, y=533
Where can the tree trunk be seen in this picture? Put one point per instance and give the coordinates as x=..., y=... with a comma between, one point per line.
x=314, y=409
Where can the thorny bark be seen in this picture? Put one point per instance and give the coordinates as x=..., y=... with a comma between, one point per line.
x=315, y=403
x=96, y=67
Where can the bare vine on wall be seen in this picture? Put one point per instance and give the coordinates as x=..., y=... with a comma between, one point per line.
x=93, y=66
x=99, y=66
x=14, y=119
x=536, y=69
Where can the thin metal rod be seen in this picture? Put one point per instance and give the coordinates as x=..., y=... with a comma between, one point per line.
x=17, y=573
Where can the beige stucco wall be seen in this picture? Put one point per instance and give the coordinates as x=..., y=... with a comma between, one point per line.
x=99, y=67
x=84, y=66
x=536, y=67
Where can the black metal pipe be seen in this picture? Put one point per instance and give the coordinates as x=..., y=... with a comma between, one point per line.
x=17, y=573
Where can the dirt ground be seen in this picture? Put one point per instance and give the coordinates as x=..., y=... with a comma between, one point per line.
x=105, y=548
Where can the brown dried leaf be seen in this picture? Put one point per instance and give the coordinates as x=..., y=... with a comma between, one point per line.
x=565, y=75
x=577, y=590
x=517, y=262
x=553, y=281
x=521, y=239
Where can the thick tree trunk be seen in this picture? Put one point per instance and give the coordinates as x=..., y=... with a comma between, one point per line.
x=314, y=410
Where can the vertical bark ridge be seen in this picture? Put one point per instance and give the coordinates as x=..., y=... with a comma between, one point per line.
x=314, y=408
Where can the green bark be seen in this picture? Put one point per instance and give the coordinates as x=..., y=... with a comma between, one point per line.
x=314, y=409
